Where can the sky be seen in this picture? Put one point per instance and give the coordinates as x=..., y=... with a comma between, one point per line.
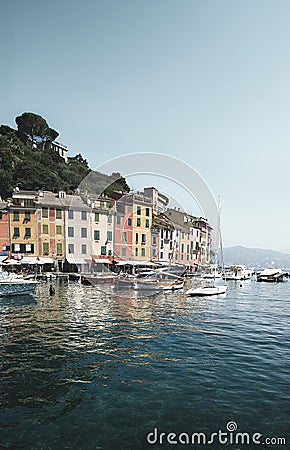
x=207, y=82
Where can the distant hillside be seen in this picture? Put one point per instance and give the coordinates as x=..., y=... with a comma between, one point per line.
x=256, y=257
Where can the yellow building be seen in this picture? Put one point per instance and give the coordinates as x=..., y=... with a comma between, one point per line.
x=142, y=221
x=22, y=224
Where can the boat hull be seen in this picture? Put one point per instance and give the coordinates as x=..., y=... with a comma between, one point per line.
x=205, y=291
x=157, y=286
x=10, y=288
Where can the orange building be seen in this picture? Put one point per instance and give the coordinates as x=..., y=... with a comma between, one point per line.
x=4, y=231
x=123, y=230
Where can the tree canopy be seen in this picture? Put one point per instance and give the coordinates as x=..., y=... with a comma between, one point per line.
x=37, y=166
x=34, y=128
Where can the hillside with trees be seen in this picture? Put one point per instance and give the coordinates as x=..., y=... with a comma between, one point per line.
x=27, y=161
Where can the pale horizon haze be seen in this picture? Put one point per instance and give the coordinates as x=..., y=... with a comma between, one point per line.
x=207, y=82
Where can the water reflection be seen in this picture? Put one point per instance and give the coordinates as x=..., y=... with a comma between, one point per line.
x=89, y=367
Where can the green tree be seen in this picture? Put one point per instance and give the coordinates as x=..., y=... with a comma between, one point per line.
x=34, y=128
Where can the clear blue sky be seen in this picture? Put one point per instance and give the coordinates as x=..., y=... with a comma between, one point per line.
x=205, y=81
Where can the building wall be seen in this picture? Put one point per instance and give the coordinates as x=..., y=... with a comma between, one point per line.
x=142, y=222
x=50, y=224
x=4, y=228
x=123, y=231
x=23, y=231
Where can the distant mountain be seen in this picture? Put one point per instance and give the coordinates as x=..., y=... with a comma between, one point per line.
x=256, y=257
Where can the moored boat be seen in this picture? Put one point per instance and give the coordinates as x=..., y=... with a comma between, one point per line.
x=238, y=273
x=11, y=284
x=206, y=290
x=272, y=275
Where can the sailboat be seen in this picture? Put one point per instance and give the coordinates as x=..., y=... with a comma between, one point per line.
x=210, y=288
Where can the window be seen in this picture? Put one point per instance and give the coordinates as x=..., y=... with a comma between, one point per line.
x=27, y=232
x=109, y=219
x=109, y=235
x=139, y=210
x=161, y=234
x=143, y=239
x=124, y=251
x=70, y=214
x=129, y=222
x=182, y=248
x=142, y=251
x=16, y=216
x=28, y=248
x=182, y=235
x=59, y=248
x=154, y=252
x=136, y=251
x=71, y=248
x=187, y=248
x=108, y=204
x=71, y=232
x=58, y=229
x=147, y=212
x=147, y=223
x=84, y=249
x=84, y=215
x=84, y=232
x=45, y=248
x=44, y=229
x=44, y=213
x=97, y=217
x=138, y=222
x=161, y=255
x=96, y=235
x=137, y=236
x=0, y=215
x=58, y=214
x=27, y=216
x=124, y=236
x=16, y=232
x=103, y=250
x=118, y=220
x=154, y=240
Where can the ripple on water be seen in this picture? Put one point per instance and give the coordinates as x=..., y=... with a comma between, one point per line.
x=93, y=369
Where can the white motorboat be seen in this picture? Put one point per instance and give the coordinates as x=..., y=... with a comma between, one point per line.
x=206, y=290
x=11, y=284
x=238, y=273
x=271, y=275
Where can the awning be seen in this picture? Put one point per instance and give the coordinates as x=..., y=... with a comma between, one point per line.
x=75, y=261
x=135, y=263
x=30, y=260
x=2, y=258
x=12, y=262
x=102, y=261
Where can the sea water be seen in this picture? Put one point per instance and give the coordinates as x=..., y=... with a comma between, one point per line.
x=90, y=368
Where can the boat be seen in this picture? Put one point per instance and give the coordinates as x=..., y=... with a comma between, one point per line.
x=238, y=273
x=206, y=290
x=11, y=284
x=97, y=279
x=272, y=275
x=159, y=281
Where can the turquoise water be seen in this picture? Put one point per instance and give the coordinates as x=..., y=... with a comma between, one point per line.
x=88, y=369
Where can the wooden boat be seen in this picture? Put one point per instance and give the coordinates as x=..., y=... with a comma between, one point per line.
x=158, y=285
x=97, y=279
